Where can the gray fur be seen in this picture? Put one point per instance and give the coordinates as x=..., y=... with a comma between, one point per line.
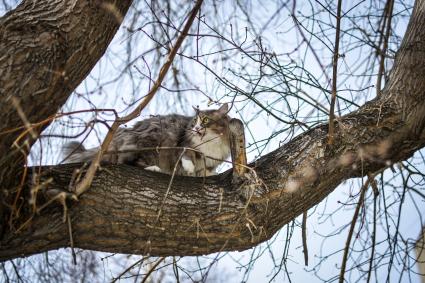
x=156, y=144
x=75, y=152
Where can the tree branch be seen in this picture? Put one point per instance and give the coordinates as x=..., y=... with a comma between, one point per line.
x=119, y=212
x=334, y=73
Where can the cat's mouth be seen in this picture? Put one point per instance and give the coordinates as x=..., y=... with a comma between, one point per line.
x=198, y=132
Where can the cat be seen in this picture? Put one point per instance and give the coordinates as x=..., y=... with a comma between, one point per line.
x=191, y=146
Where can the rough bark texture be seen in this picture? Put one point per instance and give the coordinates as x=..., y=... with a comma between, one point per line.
x=47, y=48
x=120, y=211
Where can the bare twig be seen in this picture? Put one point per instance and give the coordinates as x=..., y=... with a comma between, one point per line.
x=387, y=20
x=21, y=113
x=152, y=269
x=304, y=236
x=71, y=239
x=169, y=185
x=372, y=252
x=308, y=42
x=350, y=233
x=140, y=261
x=334, y=74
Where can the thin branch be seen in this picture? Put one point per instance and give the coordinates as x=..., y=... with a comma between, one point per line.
x=351, y=232
x=155, y=265
x=334, y=74
x=71, y=239
x=372, y=253
x=140, y=261
x=304, y=236
x=385, y=47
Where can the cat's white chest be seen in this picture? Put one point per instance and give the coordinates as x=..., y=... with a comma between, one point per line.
x=212, y=145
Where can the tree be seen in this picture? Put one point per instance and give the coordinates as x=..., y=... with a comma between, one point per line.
x=50, y=51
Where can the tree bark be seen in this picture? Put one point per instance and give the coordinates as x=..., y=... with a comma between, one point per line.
x=47, y=48
x=129, y=210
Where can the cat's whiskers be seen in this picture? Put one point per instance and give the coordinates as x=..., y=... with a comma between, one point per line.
x=200, y=132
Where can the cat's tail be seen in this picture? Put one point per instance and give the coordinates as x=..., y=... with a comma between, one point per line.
x=74, y=152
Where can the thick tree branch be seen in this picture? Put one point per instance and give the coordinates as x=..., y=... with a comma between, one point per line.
x=119, y=212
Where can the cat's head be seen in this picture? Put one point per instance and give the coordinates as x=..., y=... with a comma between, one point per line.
x=211, y=122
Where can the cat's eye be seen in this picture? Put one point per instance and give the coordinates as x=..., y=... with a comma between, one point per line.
x=205, y=120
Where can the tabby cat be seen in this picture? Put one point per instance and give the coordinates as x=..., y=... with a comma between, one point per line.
x=193, y=146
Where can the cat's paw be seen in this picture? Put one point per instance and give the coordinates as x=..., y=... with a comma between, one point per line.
x=188, y=166
x=153, y=168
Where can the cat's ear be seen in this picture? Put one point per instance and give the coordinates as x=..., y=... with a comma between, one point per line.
x=223, y=109
x=196, y=109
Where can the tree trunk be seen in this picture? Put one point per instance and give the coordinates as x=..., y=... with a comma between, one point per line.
x=47, y=48
x=129, y=210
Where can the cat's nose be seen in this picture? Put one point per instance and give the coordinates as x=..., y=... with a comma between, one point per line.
x=197, y=128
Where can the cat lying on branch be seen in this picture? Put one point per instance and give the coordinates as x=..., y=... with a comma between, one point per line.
x=191, y=146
